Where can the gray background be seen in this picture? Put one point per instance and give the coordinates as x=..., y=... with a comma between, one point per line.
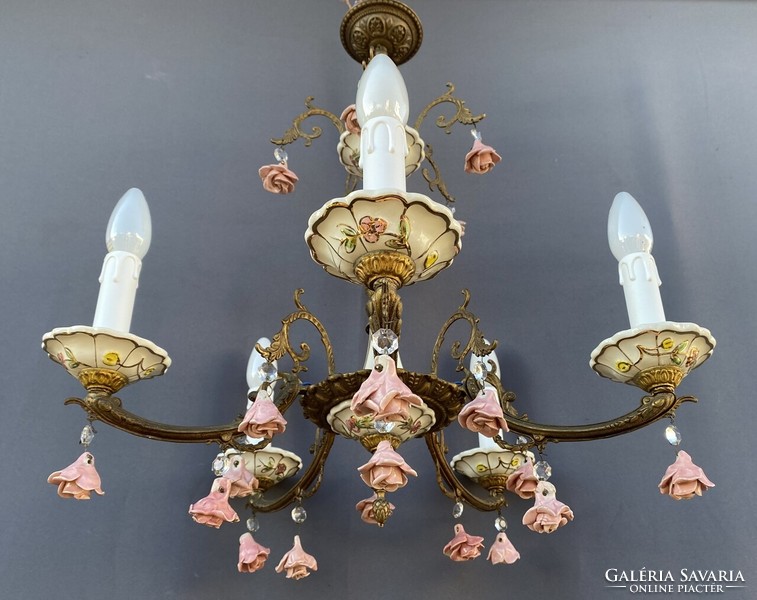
x=179, y=98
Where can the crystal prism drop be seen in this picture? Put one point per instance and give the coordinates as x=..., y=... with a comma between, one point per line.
x=385, y=341
x=543, y=470
x=500, y=524
x=475, y=133
x=219, y=464
x=671, y=434
x=383, y=426
x=299, y=514
x=457, y=509
x=252, y=524
x=521, y=440
x=280, y=155
x=87, y=435
x=479, y=370
x=268, y=372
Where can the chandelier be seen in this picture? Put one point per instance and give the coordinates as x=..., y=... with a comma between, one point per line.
x=382, y=237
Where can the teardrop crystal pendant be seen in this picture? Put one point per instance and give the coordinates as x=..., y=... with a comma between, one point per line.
x=385, y=341
x=268, y=372
x=87, y=435
x=457, y=509
x=253, y=524
x=543, y=470
x=219, y=464
x=280, y=155
x=299, y=514
x=382, y=426
x=500, y=523
x=672, y=435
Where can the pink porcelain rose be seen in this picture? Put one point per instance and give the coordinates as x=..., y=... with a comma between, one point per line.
x=386, y=470
x=502, y=551
x=481, y=158
x=263, y=419
x=78, y=480
x=349, y=118
x=243, y=482
x=683, y=479
x=278, y=179
x=297, y=563
x=463, y=547
x=483, y=415
x=383, y=396
x=548, y=513
x=214, y=509
x=365, y=508
x=523, y=481
x=252, y=556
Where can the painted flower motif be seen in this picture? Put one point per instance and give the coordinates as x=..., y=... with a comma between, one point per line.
x=683, y=479
x=622, y=366
x=263, y=419
x=297, y=563
x=243, y=482
x=386, y=470
x=214, y=509
x=349, y=118
x=252, y=556
x=78, y=480
x=365, y=508
x=463, y=547
x=691, y=359
x=483, y=415
x=111, y=359
x=502, y=551
x=371, y=228
x=667, y=344
x=523, y=481
x=481, y=158
x=548, y=513
x=278, y=179
x=383, y=395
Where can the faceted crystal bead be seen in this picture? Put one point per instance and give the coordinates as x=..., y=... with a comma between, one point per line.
x=268, y=372
x=252, y=524
x=479, y=370
x=457, y=509
x=475, y=133
x=87, y=435
x=543, y=470
x=385, y=341
x=280, y=155
x=500, y=524
x=299, y=514
x=671, y=434
x=383, y=426
x=219, y=464
x=521, y=440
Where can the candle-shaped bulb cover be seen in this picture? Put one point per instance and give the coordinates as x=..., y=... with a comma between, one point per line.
x=130, y=227
x=628, y=229
x=381, y=91
x=254, y=377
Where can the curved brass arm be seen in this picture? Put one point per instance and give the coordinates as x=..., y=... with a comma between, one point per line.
x=462, y=114
x=108, y=409
x=295, y=132
x=445, y=475
x=310, y=480
x=652, y=408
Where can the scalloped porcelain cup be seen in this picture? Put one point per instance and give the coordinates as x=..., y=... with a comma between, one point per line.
x=81, y=347
x=626, y=354
x=478, y=463
x=345, y=229
x=348, y=150
x=272, y=465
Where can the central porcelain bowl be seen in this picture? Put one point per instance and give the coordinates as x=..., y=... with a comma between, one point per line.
x=346, y=229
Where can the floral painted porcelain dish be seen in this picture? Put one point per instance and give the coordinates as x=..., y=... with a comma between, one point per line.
x=624, y=356
x=479, y=463
x=345, y=423
x=349, y=152
x=272, y=465
x=80, y=348
x=346, y=229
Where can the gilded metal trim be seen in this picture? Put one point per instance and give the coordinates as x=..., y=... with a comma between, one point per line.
x=659, y=379
x=104, y=381
x=384, y=264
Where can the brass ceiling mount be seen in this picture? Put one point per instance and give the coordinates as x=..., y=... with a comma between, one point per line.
x=387, y=26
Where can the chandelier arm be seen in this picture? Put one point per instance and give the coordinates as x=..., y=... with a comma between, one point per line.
x=310, y=480
x=434, y=179
x=445, y=475
x=652, y=408
x=462, y=114
x=295, y=132
x=280, y=344
x=476, y=342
